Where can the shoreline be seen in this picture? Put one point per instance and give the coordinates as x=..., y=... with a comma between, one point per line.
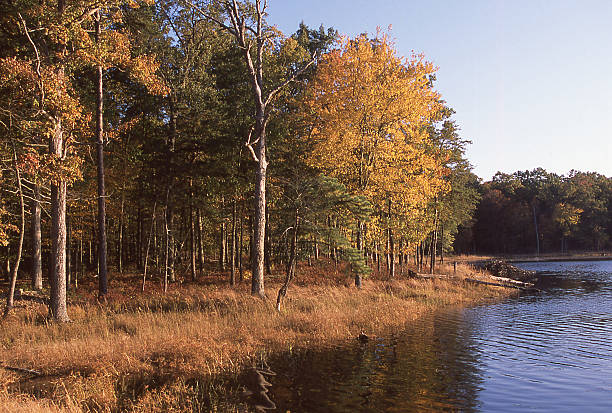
x=145, y=353
x=471, y=259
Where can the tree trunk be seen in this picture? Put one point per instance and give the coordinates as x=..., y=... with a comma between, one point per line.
x=401, y=257
x=241, y=247
x=259, y=233
x=120, y=244
x=268, y=245
x=172, y=244
x=192, y=233
x=222, y=246
x=391, y=246
x=68, y=250
x=15, y=270
x=167, y=244
x=535, y=224
x=102, y=270
x=155, y=244
x=377, y=257
x=139, y=237
x=37, y=280
x=233, y=245
x=200, y=243
x=146, y=258
x=433, y=246
x=81, y=269
x=290, y=271
x=441, y=244
x=57, y=272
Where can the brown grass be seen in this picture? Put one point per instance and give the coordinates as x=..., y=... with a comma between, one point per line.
x=147, y=352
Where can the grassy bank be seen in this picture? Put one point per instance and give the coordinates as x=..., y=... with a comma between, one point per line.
x=153, y=351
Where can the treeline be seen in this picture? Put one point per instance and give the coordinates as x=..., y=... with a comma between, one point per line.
x=165, y=136
x=532, y=212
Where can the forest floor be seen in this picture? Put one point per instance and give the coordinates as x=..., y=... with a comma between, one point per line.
x=157, y=351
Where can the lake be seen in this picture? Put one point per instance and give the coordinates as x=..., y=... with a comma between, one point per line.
x=540, y=352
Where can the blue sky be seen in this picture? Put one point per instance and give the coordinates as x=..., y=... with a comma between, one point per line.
x=531, y=80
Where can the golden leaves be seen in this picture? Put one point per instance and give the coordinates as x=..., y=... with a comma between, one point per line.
x=368, y=109
x=144, y=69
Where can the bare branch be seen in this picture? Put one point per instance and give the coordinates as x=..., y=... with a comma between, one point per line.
x=250, y=144
x=211, y=18
x=86, y=14
x=40, y=82
x=286, y=82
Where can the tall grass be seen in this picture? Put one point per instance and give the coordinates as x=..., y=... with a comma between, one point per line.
x=143, y=352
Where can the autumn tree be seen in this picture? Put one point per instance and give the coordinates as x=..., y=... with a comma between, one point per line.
x=368, y=109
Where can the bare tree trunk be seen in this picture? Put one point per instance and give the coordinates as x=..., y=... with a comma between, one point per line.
x=391, y=246
x=155, y=245
x=290, y=272
x=68, y=250
x=401, y=257
x=200, y=243
x=268, y=245
x=233, y=245
x=37, y=280
x=90, y=260
x=441, y=244
x=172, y=245
x=139, y=236
x=360, y=248
x=151, y=232
x=167, y=244
x=192, y=241
x=120, y=244
x=251, y=241
x=387, y=257
x=434, y=241
x=81, y=269
x=15, y=270
x=377, y=257
x=103, y=277
x=535, y=224
x=222, y=246
x=241, y=247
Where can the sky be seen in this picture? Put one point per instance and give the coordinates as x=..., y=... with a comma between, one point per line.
x=530, y=80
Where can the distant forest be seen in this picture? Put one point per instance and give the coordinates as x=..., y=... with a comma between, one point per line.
x=531, y=212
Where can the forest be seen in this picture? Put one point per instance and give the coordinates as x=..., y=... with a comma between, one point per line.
x=160, y=137
x=533, y=212
x=174, y=138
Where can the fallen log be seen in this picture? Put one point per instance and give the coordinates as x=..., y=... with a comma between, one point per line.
x=502, y=282
x=511, y=281
x=21, y=370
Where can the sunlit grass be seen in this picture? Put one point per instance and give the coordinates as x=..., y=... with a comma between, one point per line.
x=139, y=350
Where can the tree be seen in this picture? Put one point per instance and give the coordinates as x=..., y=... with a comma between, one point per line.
x=252, y=30
x=367, y=114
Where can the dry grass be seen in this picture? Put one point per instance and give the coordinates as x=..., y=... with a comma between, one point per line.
x=156, y=352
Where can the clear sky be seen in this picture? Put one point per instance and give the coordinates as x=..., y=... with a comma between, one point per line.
x=531, y=80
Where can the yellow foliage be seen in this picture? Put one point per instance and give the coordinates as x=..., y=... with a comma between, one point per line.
x=368, y=109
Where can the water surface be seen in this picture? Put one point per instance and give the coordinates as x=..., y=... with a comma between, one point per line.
x=544, y=352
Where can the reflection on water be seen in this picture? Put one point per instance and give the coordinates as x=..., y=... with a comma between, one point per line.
x=432, y=368
x=543, y=352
